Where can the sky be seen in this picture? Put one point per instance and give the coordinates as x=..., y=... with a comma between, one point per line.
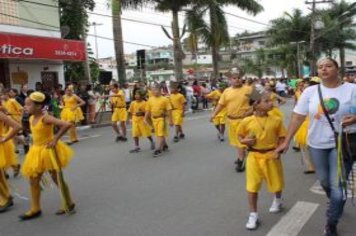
x=153, y=36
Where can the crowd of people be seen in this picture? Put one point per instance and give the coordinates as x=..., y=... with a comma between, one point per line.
x=248, y=108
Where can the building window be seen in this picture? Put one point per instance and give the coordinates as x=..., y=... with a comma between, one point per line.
x=8, y=7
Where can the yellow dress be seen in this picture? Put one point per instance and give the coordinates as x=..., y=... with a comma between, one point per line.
x=67, y=114
x=220, y=118
x=14, y=109
x=8, y=156
x=275, y=111
x=159, y=107
x=301, y=136
x=177, y=101
x=38, y=158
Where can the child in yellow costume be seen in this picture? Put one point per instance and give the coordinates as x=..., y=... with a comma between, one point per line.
x=262, y=133
x=137, y=111
x=41, y=156
x=178, y=102
x=276, y=111
x=71, y=112
x=235, y=100
x=158, y=109
x=220, y=119
x=118, y=103
x=7, y=158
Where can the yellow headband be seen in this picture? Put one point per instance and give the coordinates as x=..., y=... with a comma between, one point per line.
x=71, y=87
x=37, y=97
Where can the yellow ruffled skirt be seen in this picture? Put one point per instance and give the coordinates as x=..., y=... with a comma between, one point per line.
x=72, y=116
x=301, y=136
x=39, y=159
x=8, y=156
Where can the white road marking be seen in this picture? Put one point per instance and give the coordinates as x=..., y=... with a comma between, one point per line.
x=85, y=137
x=292, y=223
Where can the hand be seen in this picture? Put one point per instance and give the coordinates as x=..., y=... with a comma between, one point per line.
x=212, y=119
x=2, y=140
x=51, y=144
x=282, y=148
x=348, y=120
x=248, y=141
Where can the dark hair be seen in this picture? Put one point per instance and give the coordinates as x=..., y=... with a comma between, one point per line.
x=115, y=86
x=29, y=92
x=15, y=91
x=89, y=87
x=332, y=60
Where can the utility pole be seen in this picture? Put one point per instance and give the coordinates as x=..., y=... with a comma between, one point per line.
x=312, y=32
x=87, y=61
x=96, y=39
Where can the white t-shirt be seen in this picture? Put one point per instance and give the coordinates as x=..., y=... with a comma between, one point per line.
x=281, y=86
x=338, y=101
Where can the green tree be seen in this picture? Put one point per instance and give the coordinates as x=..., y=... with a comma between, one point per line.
x=214, y=32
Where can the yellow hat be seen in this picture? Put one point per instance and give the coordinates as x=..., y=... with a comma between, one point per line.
x=37, y=97
x=71, y=87
x=315, y=79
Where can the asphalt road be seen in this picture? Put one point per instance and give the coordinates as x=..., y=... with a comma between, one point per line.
x=193, y=190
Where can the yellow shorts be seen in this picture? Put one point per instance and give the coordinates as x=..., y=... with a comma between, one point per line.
x=119, y=115
x=232, y=132
x=261, y=167
x=160, y=127
x=140, y=129
x=219, y=120
x=177, y=116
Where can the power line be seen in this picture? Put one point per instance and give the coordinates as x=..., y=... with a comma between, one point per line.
x=247, y=19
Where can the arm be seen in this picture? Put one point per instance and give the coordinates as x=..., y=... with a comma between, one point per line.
x=283, y=100
x=148, y=118
x=170, y=117
x=15, y=127
x=80, y=101
x=63, y=128
x=295, y=123
x=349, y=120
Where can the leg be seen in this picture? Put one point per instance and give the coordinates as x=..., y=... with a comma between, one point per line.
x=4, y=188
x=252, y=201
x=35, y=194
x=320, y=160
x=123, y=128
x=55, y=180
x=73, y=134
x=117, y=130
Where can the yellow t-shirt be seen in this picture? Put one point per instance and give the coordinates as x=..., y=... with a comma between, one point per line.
x=119, y=102
x=236, y=101
x=177, y=101
x=214, y=96
x=298, y=93
x=13, y=108
x=267, y=131
x=158, y=106
x=137, y=110
x=248, y=88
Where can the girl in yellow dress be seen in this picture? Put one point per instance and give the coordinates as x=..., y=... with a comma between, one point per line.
x=7, y=158
x=39, y=158
x=71, y=112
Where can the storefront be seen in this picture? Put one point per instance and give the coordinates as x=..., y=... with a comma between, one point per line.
x=28, y=59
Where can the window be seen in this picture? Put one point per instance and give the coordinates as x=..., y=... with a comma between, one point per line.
x=8, y=7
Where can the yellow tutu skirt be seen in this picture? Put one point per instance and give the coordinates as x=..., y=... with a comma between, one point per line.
x=301, y=136
x=8, y=156
x=276, y=112
x=39, y=159
x=72, y=116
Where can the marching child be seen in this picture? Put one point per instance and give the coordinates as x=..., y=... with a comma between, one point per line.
x=262, y=133
x=46, y=154
x=7, y=158
x=158, y=109
x=178, y=106
x=139, y=127
x=220, y=119
x=119, y=115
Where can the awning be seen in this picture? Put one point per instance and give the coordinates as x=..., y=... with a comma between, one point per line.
x=20, y=46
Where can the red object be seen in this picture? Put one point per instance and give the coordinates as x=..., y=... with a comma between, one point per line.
x=32, y=47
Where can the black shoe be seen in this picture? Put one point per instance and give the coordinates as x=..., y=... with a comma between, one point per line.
x=124, y=139
x=7, y=205
x=157, y=153
x=240, y=166
x=71, y=210
x=297, y=149
x=330, y=230
x=176, y=139
x=118, y=138
x=17, y=170
x=182, y=136
x=165, y=148
x=26, y=148
x=7, y=175
x=307, y=172
x=135, y=150
x=30, y=216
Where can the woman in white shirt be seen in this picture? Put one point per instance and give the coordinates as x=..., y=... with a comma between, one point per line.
x=338, y=98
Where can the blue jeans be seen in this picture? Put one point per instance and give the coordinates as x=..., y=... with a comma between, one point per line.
x=325, y=162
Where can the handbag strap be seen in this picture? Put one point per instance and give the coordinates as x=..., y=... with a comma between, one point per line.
x=326, y=113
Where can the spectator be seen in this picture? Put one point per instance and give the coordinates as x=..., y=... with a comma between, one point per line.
x=83, y=94
x=281, y=88
x=93, y=99
x=204, y=91
x=197, y=94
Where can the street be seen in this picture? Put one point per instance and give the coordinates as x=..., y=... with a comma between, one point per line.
x=193, y=190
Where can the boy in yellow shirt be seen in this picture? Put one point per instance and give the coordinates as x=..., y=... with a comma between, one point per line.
x=262, y=133
x=119, y=112
x=157, y=110
x=178, y=102
x=220, y=119
x=139, y=127
x=235, y=100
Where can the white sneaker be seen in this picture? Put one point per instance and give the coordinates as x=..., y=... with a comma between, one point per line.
x=276, y=205
x=252, y=222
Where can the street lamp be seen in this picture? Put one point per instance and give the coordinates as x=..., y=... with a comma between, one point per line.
x=96, y=38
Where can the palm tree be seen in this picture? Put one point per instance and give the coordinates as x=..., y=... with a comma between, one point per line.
x=116, y=7
x=175, y=6
x=215, y=32
x=338, y=31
